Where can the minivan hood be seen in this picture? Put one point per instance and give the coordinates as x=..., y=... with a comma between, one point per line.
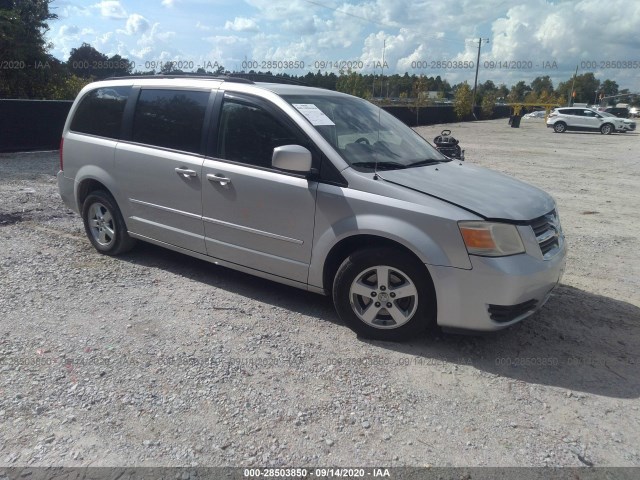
x=487, y=193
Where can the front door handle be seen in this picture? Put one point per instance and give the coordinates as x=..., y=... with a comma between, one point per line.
x=218, y=178
x=185, y=172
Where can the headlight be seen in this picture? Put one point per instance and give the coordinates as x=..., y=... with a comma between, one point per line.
x=491, y=239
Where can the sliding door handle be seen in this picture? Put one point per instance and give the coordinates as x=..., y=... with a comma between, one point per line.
x=185, y=172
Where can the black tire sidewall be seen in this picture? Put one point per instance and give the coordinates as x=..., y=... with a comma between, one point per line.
x=356, y=263
x=122, y=241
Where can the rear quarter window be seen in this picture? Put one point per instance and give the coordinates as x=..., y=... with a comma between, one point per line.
x=100, y=112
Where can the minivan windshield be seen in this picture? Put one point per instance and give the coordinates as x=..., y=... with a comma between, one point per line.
x=364, y=135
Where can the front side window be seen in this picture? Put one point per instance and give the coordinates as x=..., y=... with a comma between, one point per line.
x=248, y=134
x=100, y=112
x=170, y=118
x=364, y=135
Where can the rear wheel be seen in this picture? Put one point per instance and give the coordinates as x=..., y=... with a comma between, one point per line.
x=104, y=224
x=384, y=294
x=560, y=127
x=606, y=129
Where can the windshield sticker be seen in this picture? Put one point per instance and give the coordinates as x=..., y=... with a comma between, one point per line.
x=313, y=114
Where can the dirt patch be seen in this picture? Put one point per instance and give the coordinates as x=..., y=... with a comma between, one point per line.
x=10, y=219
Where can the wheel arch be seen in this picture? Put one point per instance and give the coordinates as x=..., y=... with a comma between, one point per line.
x=350, y=244
x=92, y=178
x=613, y=127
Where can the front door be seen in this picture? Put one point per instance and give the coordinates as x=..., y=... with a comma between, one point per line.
x=255, y=215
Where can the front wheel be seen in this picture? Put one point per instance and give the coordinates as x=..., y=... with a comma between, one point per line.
x=104, y=224
x=384, y=294
x=606, y=129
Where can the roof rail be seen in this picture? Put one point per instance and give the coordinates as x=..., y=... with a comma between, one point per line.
x=264, y=77
x=203, y=76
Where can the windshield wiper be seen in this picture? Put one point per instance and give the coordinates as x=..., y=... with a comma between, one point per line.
x=423, y=163
x=379, y=165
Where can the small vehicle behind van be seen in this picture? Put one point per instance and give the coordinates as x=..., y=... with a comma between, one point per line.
x=587, y=119
x=314, y=189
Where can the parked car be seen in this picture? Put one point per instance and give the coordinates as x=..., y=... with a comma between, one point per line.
x=618, y=112
x=314, y=189
x=633, y=112
x=536, y=114
x=570, y=118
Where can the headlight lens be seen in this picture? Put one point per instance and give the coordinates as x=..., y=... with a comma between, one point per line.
x=491, y=239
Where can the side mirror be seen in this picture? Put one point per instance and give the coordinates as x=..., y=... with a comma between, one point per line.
x=293, y=158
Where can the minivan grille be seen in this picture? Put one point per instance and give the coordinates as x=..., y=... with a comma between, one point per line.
x=548, y=232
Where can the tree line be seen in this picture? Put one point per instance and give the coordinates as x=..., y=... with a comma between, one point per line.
x=29, y=71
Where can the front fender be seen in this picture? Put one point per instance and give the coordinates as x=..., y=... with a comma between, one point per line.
x=435, y=240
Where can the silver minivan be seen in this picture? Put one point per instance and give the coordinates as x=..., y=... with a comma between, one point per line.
x=315, y=189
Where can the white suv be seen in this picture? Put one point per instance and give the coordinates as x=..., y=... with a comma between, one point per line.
x=580, y=118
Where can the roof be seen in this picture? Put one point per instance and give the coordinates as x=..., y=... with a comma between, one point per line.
x=200, y=81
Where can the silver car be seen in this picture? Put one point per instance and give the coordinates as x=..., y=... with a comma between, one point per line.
x=311, y=188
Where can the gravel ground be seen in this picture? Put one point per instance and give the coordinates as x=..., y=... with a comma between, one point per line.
x=158, y=359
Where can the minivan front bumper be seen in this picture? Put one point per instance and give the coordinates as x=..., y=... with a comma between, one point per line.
x=496, y=292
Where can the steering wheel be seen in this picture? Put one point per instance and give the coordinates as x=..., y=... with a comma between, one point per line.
x=363, y=140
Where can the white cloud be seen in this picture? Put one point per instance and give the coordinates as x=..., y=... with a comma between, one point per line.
x=170, y=3
x=152, y=43
x=111, y=9
x=67, y=10
x=136, y=24
x=202, y=26
x=68, y=30
x=241, y=24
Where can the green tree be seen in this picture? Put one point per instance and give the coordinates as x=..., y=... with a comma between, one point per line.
x=531, y=97
x=67, y=88
x=462, y=100
x=518, y=92
x=86, y=62
x=540, y=84
x=609, y=87
x=502, y=92
x=354, y=84
x=488, y=102
x=117, y=66
x=586, y=86
x=23, y=25
x=419, y=89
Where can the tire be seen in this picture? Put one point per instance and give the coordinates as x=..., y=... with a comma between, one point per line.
x=356, y=289
x=606, y=129
x=104, y=225
x=560, y=127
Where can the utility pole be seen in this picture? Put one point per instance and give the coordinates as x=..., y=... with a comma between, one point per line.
x=573, y=84
x=475, y=83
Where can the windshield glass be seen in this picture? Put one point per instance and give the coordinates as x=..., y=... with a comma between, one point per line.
x=363, y=134
x=606, y=114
